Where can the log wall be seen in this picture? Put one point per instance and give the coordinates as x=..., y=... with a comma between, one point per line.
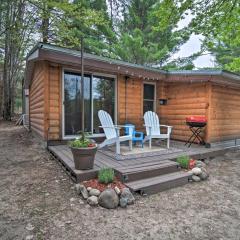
x=183, y=100
x=36, y=99
x=55, y=103
x=130, y=101
x=225, y=113
x=220, y=105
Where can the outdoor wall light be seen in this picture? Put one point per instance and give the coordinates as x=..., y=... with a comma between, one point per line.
x=163, y=101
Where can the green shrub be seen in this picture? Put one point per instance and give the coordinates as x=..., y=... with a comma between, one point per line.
x=106, y=175
x=77, y=143
x=81, y=142
x=183, y=161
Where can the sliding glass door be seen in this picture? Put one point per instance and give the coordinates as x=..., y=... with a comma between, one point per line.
x=72, y=103
x=99, y=93
x=103, y=98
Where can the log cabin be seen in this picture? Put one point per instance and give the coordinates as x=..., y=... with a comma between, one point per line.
x=126, y=91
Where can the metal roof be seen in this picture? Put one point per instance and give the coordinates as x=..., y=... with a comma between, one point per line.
x=93, y=57
x=76, y=53
x=214, y=72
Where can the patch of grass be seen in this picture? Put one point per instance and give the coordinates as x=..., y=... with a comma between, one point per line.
x=183, y=161
x=106, y=175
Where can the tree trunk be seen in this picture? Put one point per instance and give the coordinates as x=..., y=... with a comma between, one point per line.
x=13, y=42
x=6, y=77
x=45, y=22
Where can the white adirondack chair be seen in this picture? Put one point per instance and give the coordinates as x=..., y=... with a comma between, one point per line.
x=112, y=132
x=153, y=131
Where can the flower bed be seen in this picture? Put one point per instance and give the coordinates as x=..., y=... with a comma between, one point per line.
x=93, y=183
x=106, y=190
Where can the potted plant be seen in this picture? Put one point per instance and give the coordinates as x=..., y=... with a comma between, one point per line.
x=83, y=150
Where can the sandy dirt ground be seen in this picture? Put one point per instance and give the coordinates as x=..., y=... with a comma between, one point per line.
x=38, y=201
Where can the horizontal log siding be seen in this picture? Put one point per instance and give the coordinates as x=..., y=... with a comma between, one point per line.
x=130, y=101
x=54, y=131
x=184, y=99
x=225, y=113
x=36, y=100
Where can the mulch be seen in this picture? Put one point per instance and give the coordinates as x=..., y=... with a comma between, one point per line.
x=93, y=183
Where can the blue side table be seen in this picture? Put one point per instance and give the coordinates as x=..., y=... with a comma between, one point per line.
x=136, y=136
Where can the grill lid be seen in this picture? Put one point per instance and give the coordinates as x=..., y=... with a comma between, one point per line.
x=196, y=119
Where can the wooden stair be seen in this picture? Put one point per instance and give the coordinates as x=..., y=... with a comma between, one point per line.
x=152, y=177
x=146, y=170
x=159, y=183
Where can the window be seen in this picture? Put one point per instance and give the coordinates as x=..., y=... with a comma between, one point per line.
x=103, y=98
x=72, y=103
x=148, y=97
x=99, y=93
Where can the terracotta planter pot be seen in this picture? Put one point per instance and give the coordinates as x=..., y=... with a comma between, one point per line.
x=84, y=157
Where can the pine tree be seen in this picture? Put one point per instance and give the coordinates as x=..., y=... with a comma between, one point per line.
x=148, y=33
x=219, y=22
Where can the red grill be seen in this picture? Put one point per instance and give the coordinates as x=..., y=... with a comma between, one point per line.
x=196, y=125
x=196, y=121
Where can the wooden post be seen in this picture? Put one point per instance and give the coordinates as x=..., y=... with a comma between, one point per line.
x=208, y=112
x=82, y=83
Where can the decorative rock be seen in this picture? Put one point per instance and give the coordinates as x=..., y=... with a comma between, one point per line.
x=94, y=192
x=123, y=202
x=196, y=171
x=204, y=170
x=92, y=201
x=200, y=164
x=89, y=189
x=77, y=188
x=108, y=199
x=117, y=190
x=196, y=178
x=126, y=193
x=203, y=175
x=83, y=191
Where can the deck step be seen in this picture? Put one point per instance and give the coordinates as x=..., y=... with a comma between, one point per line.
x=160, y=183
x=143, y=171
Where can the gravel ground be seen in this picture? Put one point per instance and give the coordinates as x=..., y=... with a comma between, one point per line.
x=38, y=201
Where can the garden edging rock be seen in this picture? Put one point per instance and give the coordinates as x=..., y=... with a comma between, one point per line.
x=108, y=199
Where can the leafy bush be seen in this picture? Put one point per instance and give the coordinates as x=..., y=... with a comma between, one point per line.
x=81, y=142
x=106, y=175
x=183, y=161
x=78, y=143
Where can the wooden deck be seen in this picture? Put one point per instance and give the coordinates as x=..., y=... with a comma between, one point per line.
x=161, y=172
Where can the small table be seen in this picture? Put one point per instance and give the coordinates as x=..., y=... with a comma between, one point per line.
x=136, y=135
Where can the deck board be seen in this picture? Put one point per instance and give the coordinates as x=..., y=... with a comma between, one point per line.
x=125, y=167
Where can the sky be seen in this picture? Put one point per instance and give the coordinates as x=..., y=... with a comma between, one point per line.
x=193, y=45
